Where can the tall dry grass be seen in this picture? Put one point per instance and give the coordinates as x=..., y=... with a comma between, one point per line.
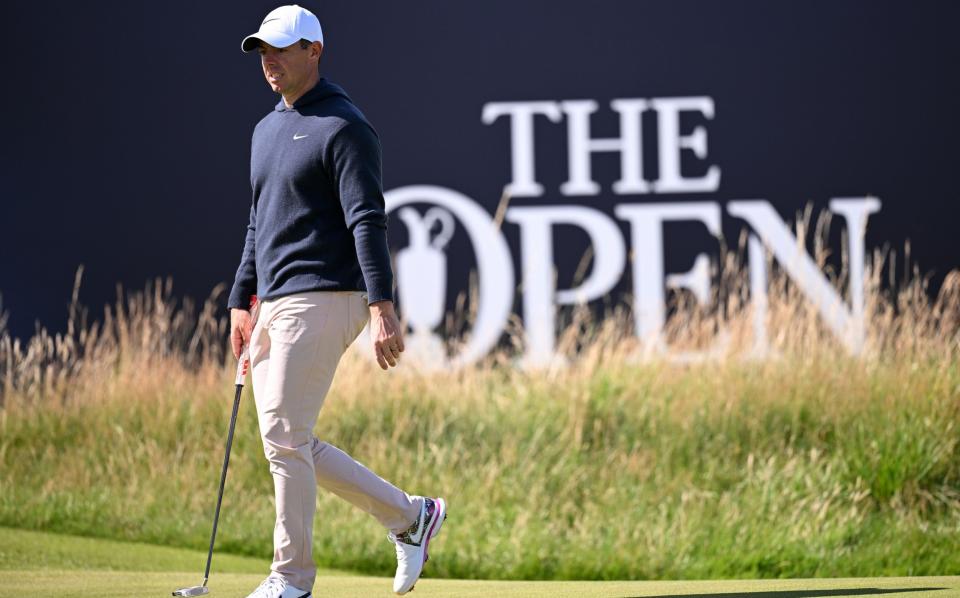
x=619, y=465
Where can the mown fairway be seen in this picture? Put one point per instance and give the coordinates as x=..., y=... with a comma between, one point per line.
x=38, y=564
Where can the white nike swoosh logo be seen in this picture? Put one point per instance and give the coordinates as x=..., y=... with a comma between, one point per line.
x=296, y=136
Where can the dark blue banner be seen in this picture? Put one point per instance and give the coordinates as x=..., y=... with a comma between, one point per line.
x=517, y=137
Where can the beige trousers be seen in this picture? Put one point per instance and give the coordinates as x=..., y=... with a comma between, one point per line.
x=296, y=344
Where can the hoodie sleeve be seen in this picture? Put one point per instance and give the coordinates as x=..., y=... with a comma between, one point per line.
x=245, y=283
x=355, y=152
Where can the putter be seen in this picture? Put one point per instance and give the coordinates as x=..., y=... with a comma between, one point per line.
x=242, y=366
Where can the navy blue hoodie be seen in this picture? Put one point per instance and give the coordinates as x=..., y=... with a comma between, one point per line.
x=317, y=221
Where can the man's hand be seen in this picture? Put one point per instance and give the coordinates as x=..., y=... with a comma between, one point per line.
x=386, y=333
x=241, y=327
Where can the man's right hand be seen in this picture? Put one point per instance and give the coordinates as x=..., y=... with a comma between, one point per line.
x=241, y=328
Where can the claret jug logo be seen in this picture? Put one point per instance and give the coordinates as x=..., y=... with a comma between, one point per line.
x=422, y=268
x=433, y=215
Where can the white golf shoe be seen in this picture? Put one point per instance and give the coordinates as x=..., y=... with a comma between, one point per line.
x=413, y=543
x=276, y=587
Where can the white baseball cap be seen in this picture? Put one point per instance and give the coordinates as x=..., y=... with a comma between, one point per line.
x=284, y=26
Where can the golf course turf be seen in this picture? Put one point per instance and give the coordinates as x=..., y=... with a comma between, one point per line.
x=41, y=564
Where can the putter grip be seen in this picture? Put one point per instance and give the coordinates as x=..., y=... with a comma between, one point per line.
x=243, y=364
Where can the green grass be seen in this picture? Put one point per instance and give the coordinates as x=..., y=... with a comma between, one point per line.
x=783, y=469
x=811, y=463
x=37, y=564
x=22, y=550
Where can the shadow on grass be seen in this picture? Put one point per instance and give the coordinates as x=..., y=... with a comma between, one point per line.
x=797, y=593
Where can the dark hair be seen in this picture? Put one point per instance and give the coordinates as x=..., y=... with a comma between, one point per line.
x=304, y=44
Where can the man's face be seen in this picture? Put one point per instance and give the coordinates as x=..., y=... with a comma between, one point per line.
x=288, y=69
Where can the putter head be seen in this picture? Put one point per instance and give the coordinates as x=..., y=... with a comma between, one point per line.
x=193, y=591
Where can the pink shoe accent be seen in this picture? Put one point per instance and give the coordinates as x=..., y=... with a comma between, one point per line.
x=439, y=516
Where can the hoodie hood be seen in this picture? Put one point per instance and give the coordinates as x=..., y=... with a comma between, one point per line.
x=323, y=90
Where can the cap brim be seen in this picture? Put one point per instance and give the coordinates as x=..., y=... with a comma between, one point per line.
x=274, y=38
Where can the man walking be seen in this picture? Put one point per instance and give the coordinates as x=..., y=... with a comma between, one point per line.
x=316, y=254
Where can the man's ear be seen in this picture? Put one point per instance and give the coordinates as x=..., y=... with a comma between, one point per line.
x=318, y=48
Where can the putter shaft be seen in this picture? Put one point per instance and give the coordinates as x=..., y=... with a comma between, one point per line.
x=223, y=481
x=242, y=365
